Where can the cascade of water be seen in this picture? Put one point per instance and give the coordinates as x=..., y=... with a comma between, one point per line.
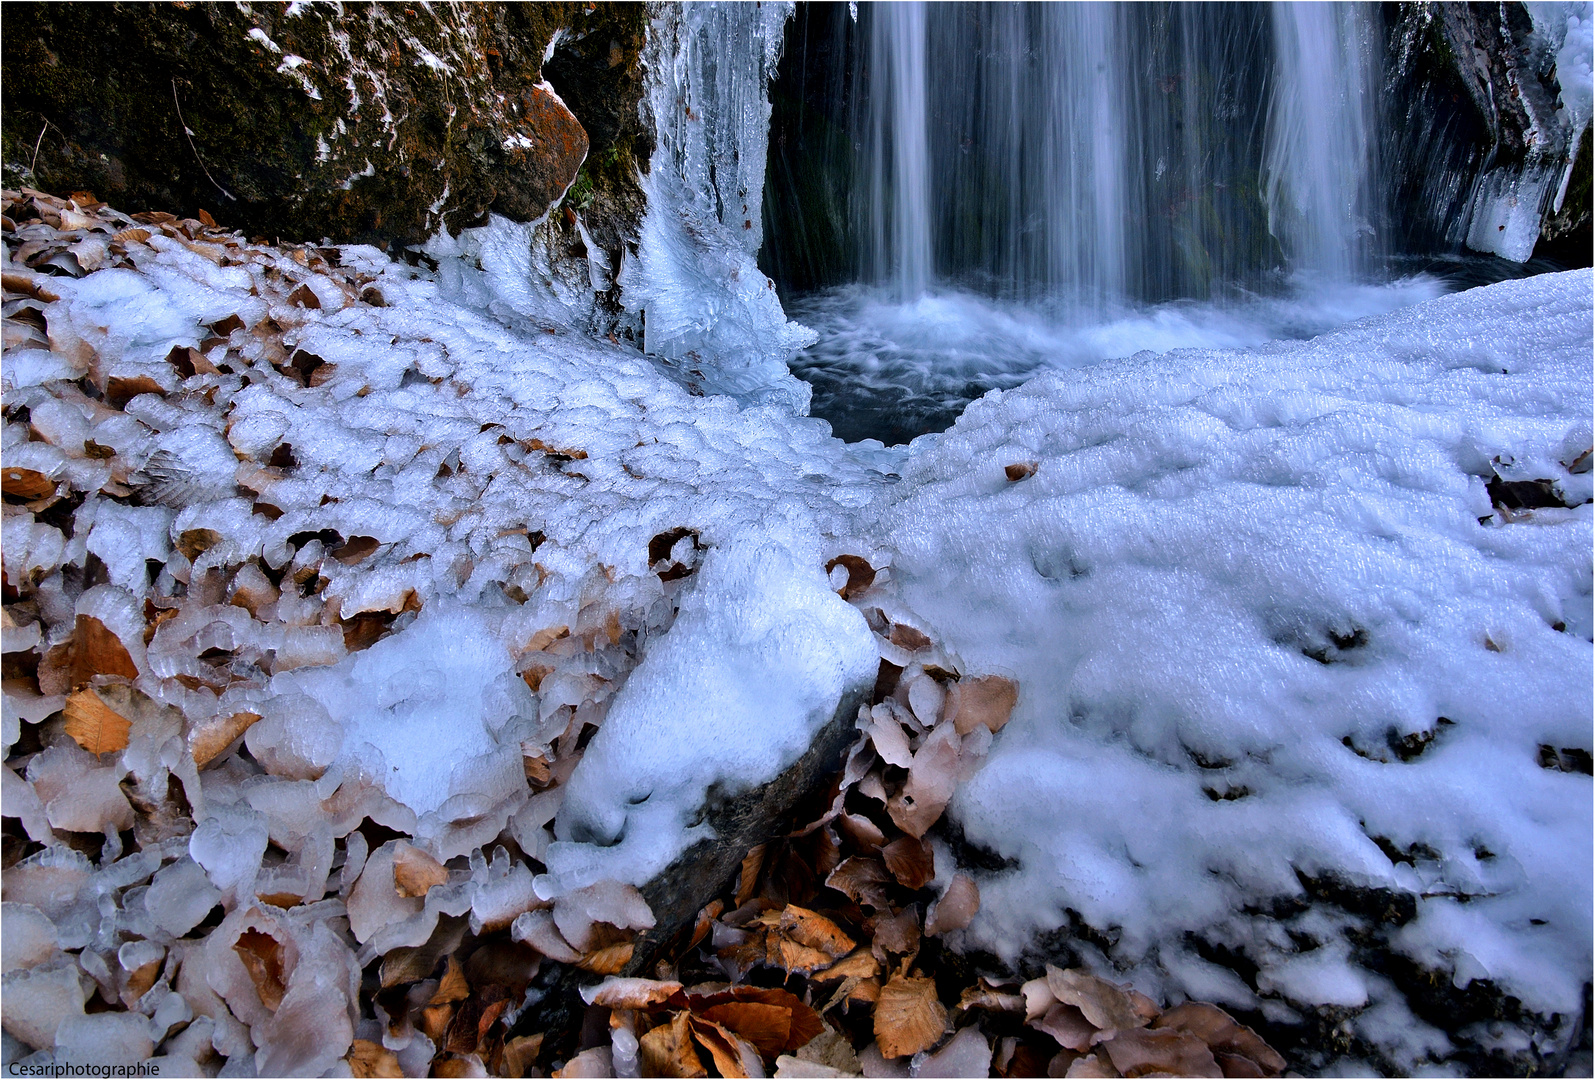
x=1319, y=159
x=1101, y=153
x=901, y=215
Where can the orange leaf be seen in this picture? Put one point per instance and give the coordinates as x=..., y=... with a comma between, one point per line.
x=607, y=961
x=912, y=862
x=93, y=724
x=767, y=1027
x=957, y=907
x=733, y=1056
x=987, y=700
x=1020, y=470
x=748, y=880
x=908, y=1017
x=667, y=1050
x=372, y=1059
x=208, y=739
x=616, y=993
x=815, y=931
x=860, y=574
x=860, y=880
x=26, y=484
x=453, y=986
x=97, y=651
x=861, y=964
x=791, y=956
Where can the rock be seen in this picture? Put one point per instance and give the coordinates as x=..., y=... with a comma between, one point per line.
x=375, y=124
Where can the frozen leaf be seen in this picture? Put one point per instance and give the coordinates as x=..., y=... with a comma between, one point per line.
x=304, y=296
x=262, y=958
x=931, y=781
x=1169, y=1051
x=957, y=907
x=121, y=389
x=927, y=699
x=1038, y=998
x=537, y=929
x=907, y=637
x=372, y=1059
x=1091, y=1065
x=987, y=700
x=968, y=1053
x=26, y=484
x=414, y=871
x=1020, y=470
x=860, y=574
x=888, y=737
x=1103, y=1003
x=209, y=738
x=814, y=930
x=667, y=1050
x=912, y=862
x=985, y=995
x=908, y=1017
x=98, y=651
x=599, y=1061
x=94, y=725
x=616, y=993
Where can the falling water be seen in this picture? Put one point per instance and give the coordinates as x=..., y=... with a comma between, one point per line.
x=900, y=158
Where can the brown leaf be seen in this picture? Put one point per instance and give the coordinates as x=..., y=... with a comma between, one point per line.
x=860, y=964
x=617, y=993
x=262, y=958
x=195, y=542
x=206, y=220
x=861, y=880
x=132, y=236
x=372, y=1059
x=860, y=574
x=898, y=935
x=355, y=548
x=985, y=995
x=705, y=924
x=208, y=739
x=608, y=960
x=139, y=982
x=1176, y=1053
x=520, y=1054
x=537, y=768
x=932, y=779
x=733, y=1056
x=1224, y=1035
x=26, y=484
x=667, y=1050
x=97, y=651
x=912, y=862
x=305, y=297
x=862, y=831
x=1103, y=1003
x=908, y=1017
x=988, y=700
x=452, y=987
x=1020, y=470
x=748, y=878
x=93, y=724
x=767, y=1027
x=414, y=871
x=791, y=956
x=1068, y=1025
x=957, y=907
x=906, y=637
x=814, y=930
x=1091, y=1065
x=434, y=1023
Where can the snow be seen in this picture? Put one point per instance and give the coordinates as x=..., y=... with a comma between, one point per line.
x=1234, y=580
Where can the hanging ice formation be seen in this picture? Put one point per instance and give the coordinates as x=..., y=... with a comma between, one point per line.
x=706, y=306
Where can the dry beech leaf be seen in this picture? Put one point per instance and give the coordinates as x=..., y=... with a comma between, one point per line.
x=705, y=924
x=434, y=1022
x=931, y=781
x=984, y=995
x=120, y=389
x=767, y=1027
x=791, y=956
x=608, y=960
x=957, y=907
x=1067, y=1025
x=617, y=993
x=733, y=1056
x=862, y=831
x=1169, y=1051
x=1020, y=470
x=908, y=1017
x=93, y=724
x=1091, y=1065
x=988, y=700
x=414, y=871
x=1224, y=1035
x=208, y=739
x=816, y=931
x=898, y=935
x=1103, y=1003
x=520, y=1054
x=912, y=862
x=861, y=880
x=452, y=987
x=262, y=958
x=861, y=964
x=305, y=297
x=26, y=484
x=860, y=574
x=667, y=1050
x=372, y=1059
x=748, y=877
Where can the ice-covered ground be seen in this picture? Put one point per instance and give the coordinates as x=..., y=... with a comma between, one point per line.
x=1271, y=637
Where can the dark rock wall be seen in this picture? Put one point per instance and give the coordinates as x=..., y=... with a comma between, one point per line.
x=379, y=122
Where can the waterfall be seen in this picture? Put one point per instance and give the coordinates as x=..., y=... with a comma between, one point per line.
x=1103, y=153
x=1318, y=161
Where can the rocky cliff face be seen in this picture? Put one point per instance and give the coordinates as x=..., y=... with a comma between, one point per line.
x=377, y=123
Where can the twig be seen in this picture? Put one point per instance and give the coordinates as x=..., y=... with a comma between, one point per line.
x=33, y=164
x=184, y=125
